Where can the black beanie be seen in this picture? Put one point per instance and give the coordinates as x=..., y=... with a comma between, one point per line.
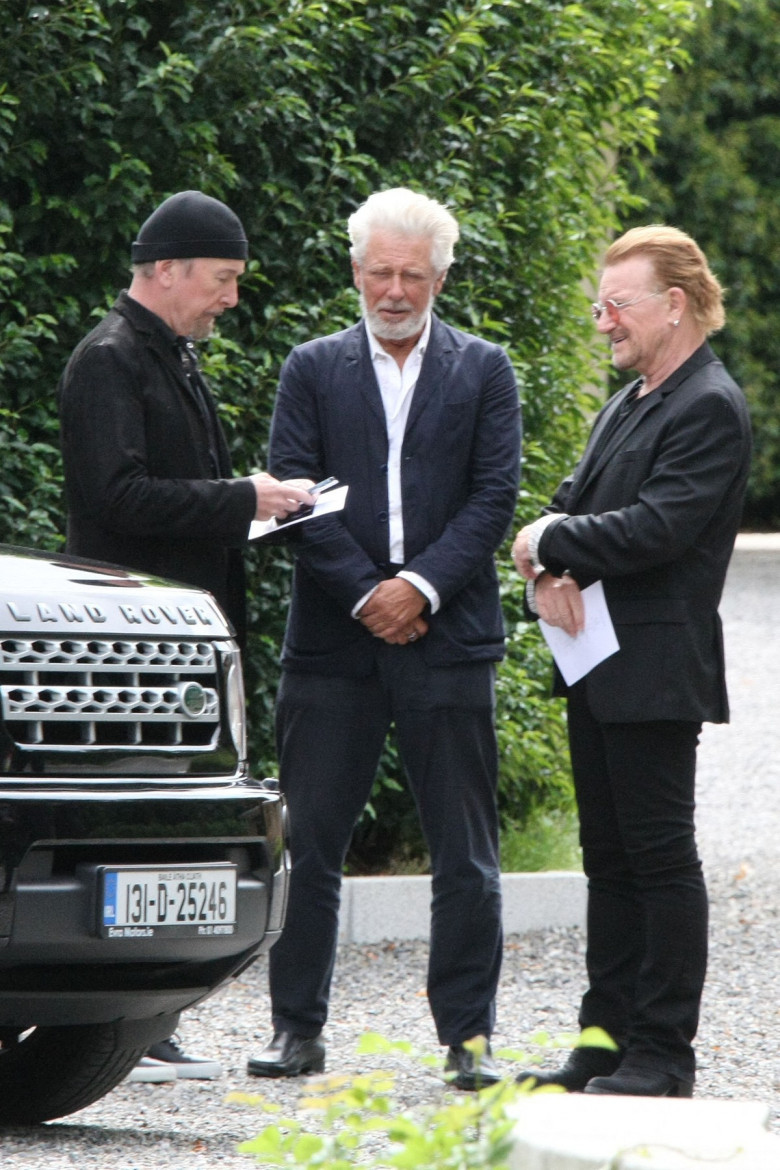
x=190, y=224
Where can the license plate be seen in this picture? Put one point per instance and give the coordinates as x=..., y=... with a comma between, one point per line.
x=138, y=901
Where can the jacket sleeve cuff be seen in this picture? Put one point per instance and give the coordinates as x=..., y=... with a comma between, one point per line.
x=530, y=599
x=535, y=534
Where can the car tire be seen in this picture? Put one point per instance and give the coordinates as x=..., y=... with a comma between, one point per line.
x=50, y=1072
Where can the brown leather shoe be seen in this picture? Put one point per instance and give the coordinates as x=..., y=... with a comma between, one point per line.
x=289, y=1055
x=473, y=1069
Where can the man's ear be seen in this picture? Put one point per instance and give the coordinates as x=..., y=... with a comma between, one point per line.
x=677, y=301
x=357, y=276
x=165, y=272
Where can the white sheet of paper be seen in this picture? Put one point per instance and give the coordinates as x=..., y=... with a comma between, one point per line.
x=575, y=657
x=332, y=501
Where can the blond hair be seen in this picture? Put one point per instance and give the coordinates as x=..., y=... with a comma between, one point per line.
x=678, y=262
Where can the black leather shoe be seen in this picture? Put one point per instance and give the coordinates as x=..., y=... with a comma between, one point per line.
x=472, y=1071
x=640, y=1083
x=582, y=1065
x=289, y=1055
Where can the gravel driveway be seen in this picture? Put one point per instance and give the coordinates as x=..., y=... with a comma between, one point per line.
x=186, y=1125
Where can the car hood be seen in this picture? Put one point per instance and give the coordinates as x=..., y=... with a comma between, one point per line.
x=43, y=592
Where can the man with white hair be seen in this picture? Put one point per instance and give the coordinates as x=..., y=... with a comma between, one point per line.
x=395, y=620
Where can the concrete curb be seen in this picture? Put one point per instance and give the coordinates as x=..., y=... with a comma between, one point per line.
x=374, y=909
x=757, y=542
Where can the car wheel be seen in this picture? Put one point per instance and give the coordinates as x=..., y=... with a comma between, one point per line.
x=50, y=1072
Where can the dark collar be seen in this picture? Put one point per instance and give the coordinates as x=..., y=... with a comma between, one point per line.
x=700, y=357
x=143, y=319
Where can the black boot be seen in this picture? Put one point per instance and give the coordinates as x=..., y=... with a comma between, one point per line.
x=582, y=1065
x=639, y=1082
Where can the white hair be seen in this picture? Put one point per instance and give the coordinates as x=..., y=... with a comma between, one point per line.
x=407, y=213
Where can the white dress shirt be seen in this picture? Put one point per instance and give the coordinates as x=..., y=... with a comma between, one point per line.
x=396, y=386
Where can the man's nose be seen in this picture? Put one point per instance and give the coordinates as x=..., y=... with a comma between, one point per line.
x=396, y=289
x=230, y=295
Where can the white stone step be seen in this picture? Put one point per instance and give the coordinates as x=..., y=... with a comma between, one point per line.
x=579, y=1132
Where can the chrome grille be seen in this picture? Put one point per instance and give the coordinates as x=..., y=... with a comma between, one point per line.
x=109, y=692
x=69, y=653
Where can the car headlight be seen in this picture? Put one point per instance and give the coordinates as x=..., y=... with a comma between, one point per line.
x=236, y=702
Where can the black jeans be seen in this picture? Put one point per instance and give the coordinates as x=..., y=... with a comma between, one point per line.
x=647, y=902
x=330, y=736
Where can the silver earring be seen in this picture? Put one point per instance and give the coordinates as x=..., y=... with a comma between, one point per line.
x=675, y=322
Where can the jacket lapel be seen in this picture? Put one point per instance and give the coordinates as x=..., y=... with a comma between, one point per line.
x=164, y=347
x=359, y=375
x=433, y=374
x=599, y=453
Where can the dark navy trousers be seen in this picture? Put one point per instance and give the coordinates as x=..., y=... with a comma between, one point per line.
x=330, y=734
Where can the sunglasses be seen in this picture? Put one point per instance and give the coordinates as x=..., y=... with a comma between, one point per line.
x=612, y=308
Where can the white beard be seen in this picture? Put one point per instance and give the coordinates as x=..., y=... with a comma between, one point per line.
x=403, y=329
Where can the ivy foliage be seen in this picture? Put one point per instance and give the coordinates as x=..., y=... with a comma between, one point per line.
x=512, y=112
x=715, y=173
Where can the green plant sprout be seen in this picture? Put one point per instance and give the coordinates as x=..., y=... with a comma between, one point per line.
x=359, y=1120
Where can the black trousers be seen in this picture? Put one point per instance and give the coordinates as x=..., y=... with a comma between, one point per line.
x=647, y=902
x=331, y=732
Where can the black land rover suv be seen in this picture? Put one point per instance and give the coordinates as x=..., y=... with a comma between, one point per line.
x=142, y=865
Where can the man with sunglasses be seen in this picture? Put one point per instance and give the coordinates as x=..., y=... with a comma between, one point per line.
x=652, y=511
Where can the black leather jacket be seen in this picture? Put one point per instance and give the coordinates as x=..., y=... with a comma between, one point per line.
x=139, y=473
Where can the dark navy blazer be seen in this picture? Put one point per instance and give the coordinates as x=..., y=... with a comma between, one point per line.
x=459, y=475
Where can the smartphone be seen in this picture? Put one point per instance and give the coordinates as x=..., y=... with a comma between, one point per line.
x=323, y=485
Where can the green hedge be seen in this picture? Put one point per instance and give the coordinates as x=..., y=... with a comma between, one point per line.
x=715, y=172
x=513, y=112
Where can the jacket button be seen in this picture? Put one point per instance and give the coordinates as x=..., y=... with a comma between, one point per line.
x=382, y=517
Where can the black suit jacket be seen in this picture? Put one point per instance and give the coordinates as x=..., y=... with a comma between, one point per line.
x=653, y=511
x=139, y=479
x=460, y=471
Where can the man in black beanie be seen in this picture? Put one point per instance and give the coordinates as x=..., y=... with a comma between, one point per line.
x=148, y=479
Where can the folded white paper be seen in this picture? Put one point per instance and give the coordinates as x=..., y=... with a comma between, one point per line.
x=576, y=656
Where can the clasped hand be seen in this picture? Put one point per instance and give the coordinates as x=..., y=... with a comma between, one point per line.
x=559, y=603
x=558, y=599
x=393, y=610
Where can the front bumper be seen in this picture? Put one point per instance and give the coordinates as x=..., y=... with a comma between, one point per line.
x=55, y=968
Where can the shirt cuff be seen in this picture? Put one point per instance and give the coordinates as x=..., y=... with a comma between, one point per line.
x=357, y=608
x=424, y=587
